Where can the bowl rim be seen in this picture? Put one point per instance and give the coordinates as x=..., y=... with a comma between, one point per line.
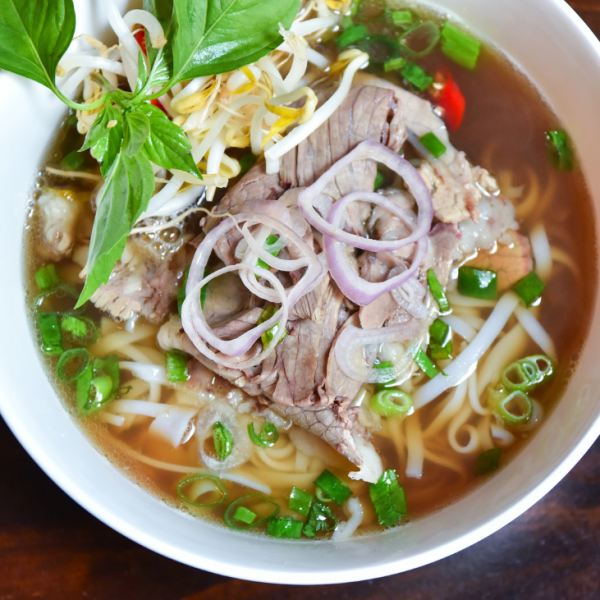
x=296, y=576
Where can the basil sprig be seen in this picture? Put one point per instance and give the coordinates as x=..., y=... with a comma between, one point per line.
x=205, y=37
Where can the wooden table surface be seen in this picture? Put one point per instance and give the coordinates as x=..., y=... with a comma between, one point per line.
x=51, y=548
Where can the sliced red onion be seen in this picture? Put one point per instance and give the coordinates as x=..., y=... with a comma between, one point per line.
x=353, y=340
x=370, y=149
x=356, y=288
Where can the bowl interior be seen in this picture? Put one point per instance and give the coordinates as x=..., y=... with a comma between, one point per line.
x=548, y=42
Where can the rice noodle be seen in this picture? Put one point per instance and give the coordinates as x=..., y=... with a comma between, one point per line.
x=541, y=252
x=450, y=410
x=149, y=373
x=459, y=424
x=415, y=447
x=474, y=396
x=537, y=333
x=460, y=368
x=461, y=327
x=138, y=407
x=346, y=529
x=503, y=437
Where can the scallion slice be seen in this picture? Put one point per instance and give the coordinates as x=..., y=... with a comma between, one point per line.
x=256, y=504
x=519, y=376
x=415, y=75
x=300, y=501
x=72, y=364
x=440, y=332
x=333, y=487
x=49, y=326
x=267, y=437
x=515, y=409
x=530, y=288
x=437, y=291
x=223, y=441
x=272, y=239
x=488, y=461
x=391, y=403
x=181, y=292
x=219, y=487
x=433, y=145
x=322, y=496
x=425, y=364
x=439, y=352
x=79, y=330
x=47, y=277
x=351, y=36
x=379, y=181
x=559, y=148
x=460, y=47
x=401, y=17
x=544, y=366
x=320, y=518
x=388, y=364
x=284, y=528
x=388, y=499
x=176, y=364
x=394, y=64
x=478, y=283
x=268, y=335
x=420, y=40
x=98, y=384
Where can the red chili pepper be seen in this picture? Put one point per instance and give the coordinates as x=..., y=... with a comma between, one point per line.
x=157, y=103
x=453, y=102
x=140, y=38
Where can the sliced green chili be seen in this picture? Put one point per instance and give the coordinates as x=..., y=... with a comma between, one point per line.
x=320, y=518
x=284, y=528
x=300, y=501
x=72, y=364
x=460, y=47
x=176, y=364
x=433, y=145
x=478, y=283
x=437, y=291
x=223, y=441
x=49, y=326
x=530, y=288
x=488, y=461
x=47, y=277
x=219, y=487
x=267, y=437
x=391, y=403
x=232, y=511
x=333, y=487
x=388, y=499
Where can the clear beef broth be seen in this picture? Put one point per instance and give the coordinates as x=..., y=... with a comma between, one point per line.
x=503, y=131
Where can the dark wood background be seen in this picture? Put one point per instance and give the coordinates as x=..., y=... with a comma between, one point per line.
x=51, y=548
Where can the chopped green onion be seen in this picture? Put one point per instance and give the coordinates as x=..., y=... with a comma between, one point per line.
x=478, y=283
x=80, y=330
x=322, y=496
x=419, y=41
x=244, y=515
x=543, y=372
x=351, y=36
x=402, y=17
x=415, y=75
x=530, y=288
x=440, y=332
x=59, y=293
x=247, y=162
x=284, y=528
x=437, y=291
x=379, y=181
x=388, y=499
x=267, y=437
x=394, y=64
x=519, y=376
x=433, y=145
x=515, y=409
x=72, y=364
x=219, y=487
x=388, y=364
x=257, y=502
x=333, y=487
x=300, y=501
x=47, y=277
x=176, y=364
x=73, y=161
x=425, y=364
x=559, y=148
x=460, y=47
x=50, y=332
x=391, y=403
x=488, y=461
x=347, y=23
x=98, y=384
x=223, y=441
x=320, y=518
x=267, y=336
x=379, y=48
x=181, y=292
x=439, y=352
x=269, y=242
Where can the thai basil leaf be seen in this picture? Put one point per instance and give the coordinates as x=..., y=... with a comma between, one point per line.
x=167, y=145
x=103, y=140
x=160, y=59
x=142, y=77
x=223, y=35
x=135, y=131
x=123, y=198
x=34, y=36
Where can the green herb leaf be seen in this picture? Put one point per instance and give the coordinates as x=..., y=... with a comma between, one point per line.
x=142, y=77
x=135, y=132
x=167, y=145
x=223, y=35
x=161, y=60
x=103, y=141
x=123, y=198
x=388, y=499
x=34, y=37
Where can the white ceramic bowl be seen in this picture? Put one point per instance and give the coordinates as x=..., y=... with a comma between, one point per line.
x=553, y=46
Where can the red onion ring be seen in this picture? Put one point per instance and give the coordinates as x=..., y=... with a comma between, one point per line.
x=370, y=149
